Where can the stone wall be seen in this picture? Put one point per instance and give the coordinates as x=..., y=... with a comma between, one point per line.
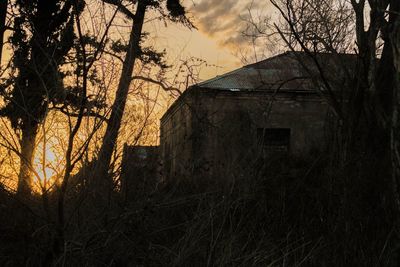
x=140, y=171
x=215, y=133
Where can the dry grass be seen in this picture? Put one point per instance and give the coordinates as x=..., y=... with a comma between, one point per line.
x=295, y=218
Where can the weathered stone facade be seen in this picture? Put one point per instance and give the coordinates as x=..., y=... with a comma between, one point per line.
x=140, y=171
x=222, y=126
x=215, y=133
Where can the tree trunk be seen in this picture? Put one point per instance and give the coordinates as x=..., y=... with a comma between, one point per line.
x=102, y=179
x=26, y=159
x=395, y=143
x=395, y=122
x=3, y=15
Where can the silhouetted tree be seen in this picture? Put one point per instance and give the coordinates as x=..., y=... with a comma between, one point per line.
x=134, y=50
x=3, y=16
x=368, y=110
x=43, y=34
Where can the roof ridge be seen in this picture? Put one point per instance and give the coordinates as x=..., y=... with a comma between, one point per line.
x=296, y=53
x=269, y=58
x=218, y=77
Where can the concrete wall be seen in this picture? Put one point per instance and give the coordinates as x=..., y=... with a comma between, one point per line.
x=176, y=140
x=140, y=171
x=214, y=133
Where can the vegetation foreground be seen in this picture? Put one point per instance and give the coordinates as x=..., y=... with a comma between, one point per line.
x=278, y=217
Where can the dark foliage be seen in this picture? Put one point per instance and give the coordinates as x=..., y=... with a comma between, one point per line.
x=43, y=35
x=291, y=213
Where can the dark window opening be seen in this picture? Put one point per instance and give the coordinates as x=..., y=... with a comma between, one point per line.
x=274, y=139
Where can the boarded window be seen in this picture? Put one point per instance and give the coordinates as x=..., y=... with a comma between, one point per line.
x=274, y=139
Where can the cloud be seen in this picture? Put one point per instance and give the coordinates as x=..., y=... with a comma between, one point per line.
x=225, y=20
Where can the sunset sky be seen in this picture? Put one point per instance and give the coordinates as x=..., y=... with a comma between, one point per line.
x=218, y=39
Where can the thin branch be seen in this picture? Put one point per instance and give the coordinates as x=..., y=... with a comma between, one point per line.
x=159, y=83
x=121, y=7
x=85, y=114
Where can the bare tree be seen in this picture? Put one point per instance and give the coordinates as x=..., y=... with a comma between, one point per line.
x=134, y=51
x=368, y=110
x=3, y=16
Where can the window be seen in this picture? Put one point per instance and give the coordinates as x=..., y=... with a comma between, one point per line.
x=274, y=139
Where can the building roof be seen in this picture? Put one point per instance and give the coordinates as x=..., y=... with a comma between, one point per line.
x=292, y=71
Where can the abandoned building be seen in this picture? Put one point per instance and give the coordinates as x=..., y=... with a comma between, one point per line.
x=222, y=126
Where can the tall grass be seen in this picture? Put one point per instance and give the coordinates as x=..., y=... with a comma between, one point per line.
x=290, y=212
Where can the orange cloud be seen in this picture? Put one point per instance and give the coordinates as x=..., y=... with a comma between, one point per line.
x=225, y=20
